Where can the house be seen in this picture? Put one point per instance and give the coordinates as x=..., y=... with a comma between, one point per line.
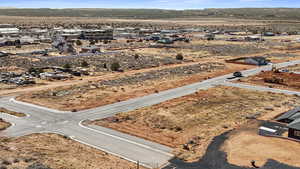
x=126, y=35
x=9, y=32
x=269, y=34
x=260, y=61
x=98, y=34
x=70, y=34
x=209, y=36
x=294, y=129
x=26, y=40
x=166, y=41
x=145, y=32
x=3, y=54
x=9, y=42
x=256, y=60
x=6, y=26
x=53, y=75
x=292, y=118
x=39, y=32
x=90, y=49
x=253, y=38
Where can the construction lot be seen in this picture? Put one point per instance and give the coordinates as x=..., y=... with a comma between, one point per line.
x=54, y=151
x=276, y=79
x=188, y=124
x=244, y=145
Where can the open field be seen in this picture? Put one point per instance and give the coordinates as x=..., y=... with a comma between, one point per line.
x=189, y=123
x=257, y=13
x=245, y=145
x=125, y=87
x=25, y=48
x=202, y=50
x=56, y=152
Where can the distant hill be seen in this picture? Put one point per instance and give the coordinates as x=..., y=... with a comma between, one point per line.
x=244, y=13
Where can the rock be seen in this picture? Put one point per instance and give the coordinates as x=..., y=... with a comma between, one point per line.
x=269, y=108
x=186, y=147
x=6, y=162
x=277, y=105
x=38, y=166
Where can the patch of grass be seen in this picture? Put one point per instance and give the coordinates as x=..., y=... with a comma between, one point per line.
x=3, y=124
x=3, y=110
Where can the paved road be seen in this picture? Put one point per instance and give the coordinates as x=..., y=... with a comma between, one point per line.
x=149, y=154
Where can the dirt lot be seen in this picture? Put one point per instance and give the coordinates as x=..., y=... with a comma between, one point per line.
x=56, y=152
x=189, y=123
x=295, y=68
x=18, y=114
x=95, y=94
x=3, y=124
x=203, y=50
x=245, y=145
x=282, y=80
x=25, y=48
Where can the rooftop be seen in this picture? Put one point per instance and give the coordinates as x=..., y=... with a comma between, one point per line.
x=293, y=116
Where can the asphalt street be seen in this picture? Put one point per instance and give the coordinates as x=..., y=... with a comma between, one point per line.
x=149, y=154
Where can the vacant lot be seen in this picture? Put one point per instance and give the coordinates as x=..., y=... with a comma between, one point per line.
x=245, y=145
x=3, y=124
x=25, y=48
x=203, y=50
x=284, y=80
x=56, y=152
x=104, y=92
x=189, y=123
x=295, y=68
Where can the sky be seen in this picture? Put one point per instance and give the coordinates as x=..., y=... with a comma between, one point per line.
x=162, y=4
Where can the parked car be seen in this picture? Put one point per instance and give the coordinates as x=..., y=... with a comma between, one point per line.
x=237, y=74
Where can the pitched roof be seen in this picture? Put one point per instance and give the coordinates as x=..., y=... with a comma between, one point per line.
x=295, y=124
x=291, y=114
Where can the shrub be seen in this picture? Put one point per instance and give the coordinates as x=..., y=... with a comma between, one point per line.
x=115, y=66
x=67, y=66
x=92, y=42
x=84, y=64
x=179, y=56
x=78, y=43
x=33, y=70
x=136, y=56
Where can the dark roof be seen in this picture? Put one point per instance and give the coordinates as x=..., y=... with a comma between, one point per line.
x=295, y=124
x=290, y=115
x=90, y=47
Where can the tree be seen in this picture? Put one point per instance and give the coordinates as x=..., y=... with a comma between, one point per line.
x=35, y=71
x=84, y=64
x=115, y=66
x=179, y=56
x=67, y=66
x=136, y=56
x=78, y=43
x=92, y=42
